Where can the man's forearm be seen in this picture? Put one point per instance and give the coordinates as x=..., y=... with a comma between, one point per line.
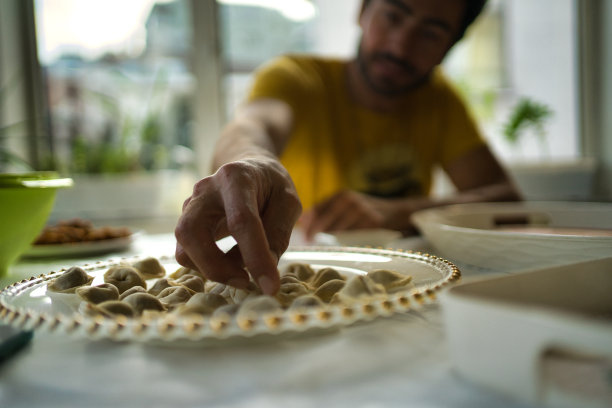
x=242, y=139
x=400, y=210
x=260, y=129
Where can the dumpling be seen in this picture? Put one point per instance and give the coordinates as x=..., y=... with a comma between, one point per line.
x=289, y=279
x=240, y=295
x=362, y=285
x=159, y=286
x=174, y=296
x=150, y=268
x=358, y=286
x=124, y=277
x=306, y=301
x=211, y=300
x=391, y=280
x=98, y=294
x=235, y=295
x=325, y=275
x=303, y=271
x=68, y=281
x=186, y=271
x=115, y=307
x=226, y=311
x=144, y=301
x=132, y=290
x=290, y=291
x=258, y=305
x=215, y=287
x=326, y=291
x=192, y=282
x=202, y=303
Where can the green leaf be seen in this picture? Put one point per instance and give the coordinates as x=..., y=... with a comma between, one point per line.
x=525, y=115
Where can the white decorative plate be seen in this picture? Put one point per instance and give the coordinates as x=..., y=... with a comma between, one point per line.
x=512, y=237
x=28, y=305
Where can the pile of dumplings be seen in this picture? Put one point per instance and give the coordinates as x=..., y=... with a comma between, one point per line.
x=142, y=288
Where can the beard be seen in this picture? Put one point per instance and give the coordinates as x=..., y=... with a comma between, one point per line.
x=408, y=79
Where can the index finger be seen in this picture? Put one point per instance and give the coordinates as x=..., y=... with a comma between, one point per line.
x=245, y=225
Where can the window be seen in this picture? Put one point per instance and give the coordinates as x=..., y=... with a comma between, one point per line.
x=119, y=89
x=522, y=49
x=119, y=99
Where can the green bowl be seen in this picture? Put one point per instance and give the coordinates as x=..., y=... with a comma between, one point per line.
x=26, y=200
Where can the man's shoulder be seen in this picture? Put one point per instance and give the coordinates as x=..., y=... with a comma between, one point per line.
x=298, y=79
x=437, y=82
x=311, y=60
x=440, y=91
x=304, y=64
x=440, y=83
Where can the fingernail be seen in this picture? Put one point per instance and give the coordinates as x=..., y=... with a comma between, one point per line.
x=238, y=283
x=267, y=285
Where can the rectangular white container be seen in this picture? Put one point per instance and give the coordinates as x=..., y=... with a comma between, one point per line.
x=543, y=336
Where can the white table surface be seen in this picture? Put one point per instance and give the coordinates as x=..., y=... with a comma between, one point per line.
x=401, y=361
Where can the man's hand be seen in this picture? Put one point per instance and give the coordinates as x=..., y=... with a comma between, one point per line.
x=253, y=200
x=346, y=210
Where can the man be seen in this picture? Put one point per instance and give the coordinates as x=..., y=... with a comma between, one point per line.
x=354, y=142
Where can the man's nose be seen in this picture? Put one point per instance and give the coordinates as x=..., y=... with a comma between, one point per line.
x=402, y=40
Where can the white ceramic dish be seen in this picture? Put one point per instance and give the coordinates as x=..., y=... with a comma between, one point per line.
x=27, y=304
x=496, y=236
x=542, y=336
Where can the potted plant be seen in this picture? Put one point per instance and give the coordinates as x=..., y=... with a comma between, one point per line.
x=547, y=179
x=528, y=115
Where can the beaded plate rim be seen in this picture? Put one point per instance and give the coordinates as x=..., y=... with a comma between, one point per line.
x=171, y=328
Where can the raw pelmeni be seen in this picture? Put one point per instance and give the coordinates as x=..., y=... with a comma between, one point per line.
x=68, y=281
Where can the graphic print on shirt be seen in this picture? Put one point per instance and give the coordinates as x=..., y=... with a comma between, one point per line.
x=390, y=171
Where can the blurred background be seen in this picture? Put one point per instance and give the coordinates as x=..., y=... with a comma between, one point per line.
x=128, y=97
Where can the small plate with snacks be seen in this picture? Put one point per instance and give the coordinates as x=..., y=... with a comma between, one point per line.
x=77, y=237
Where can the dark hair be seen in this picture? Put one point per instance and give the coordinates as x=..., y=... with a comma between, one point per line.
x=473, y=8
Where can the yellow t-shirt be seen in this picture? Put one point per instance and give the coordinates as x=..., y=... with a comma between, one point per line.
x=337, y=144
